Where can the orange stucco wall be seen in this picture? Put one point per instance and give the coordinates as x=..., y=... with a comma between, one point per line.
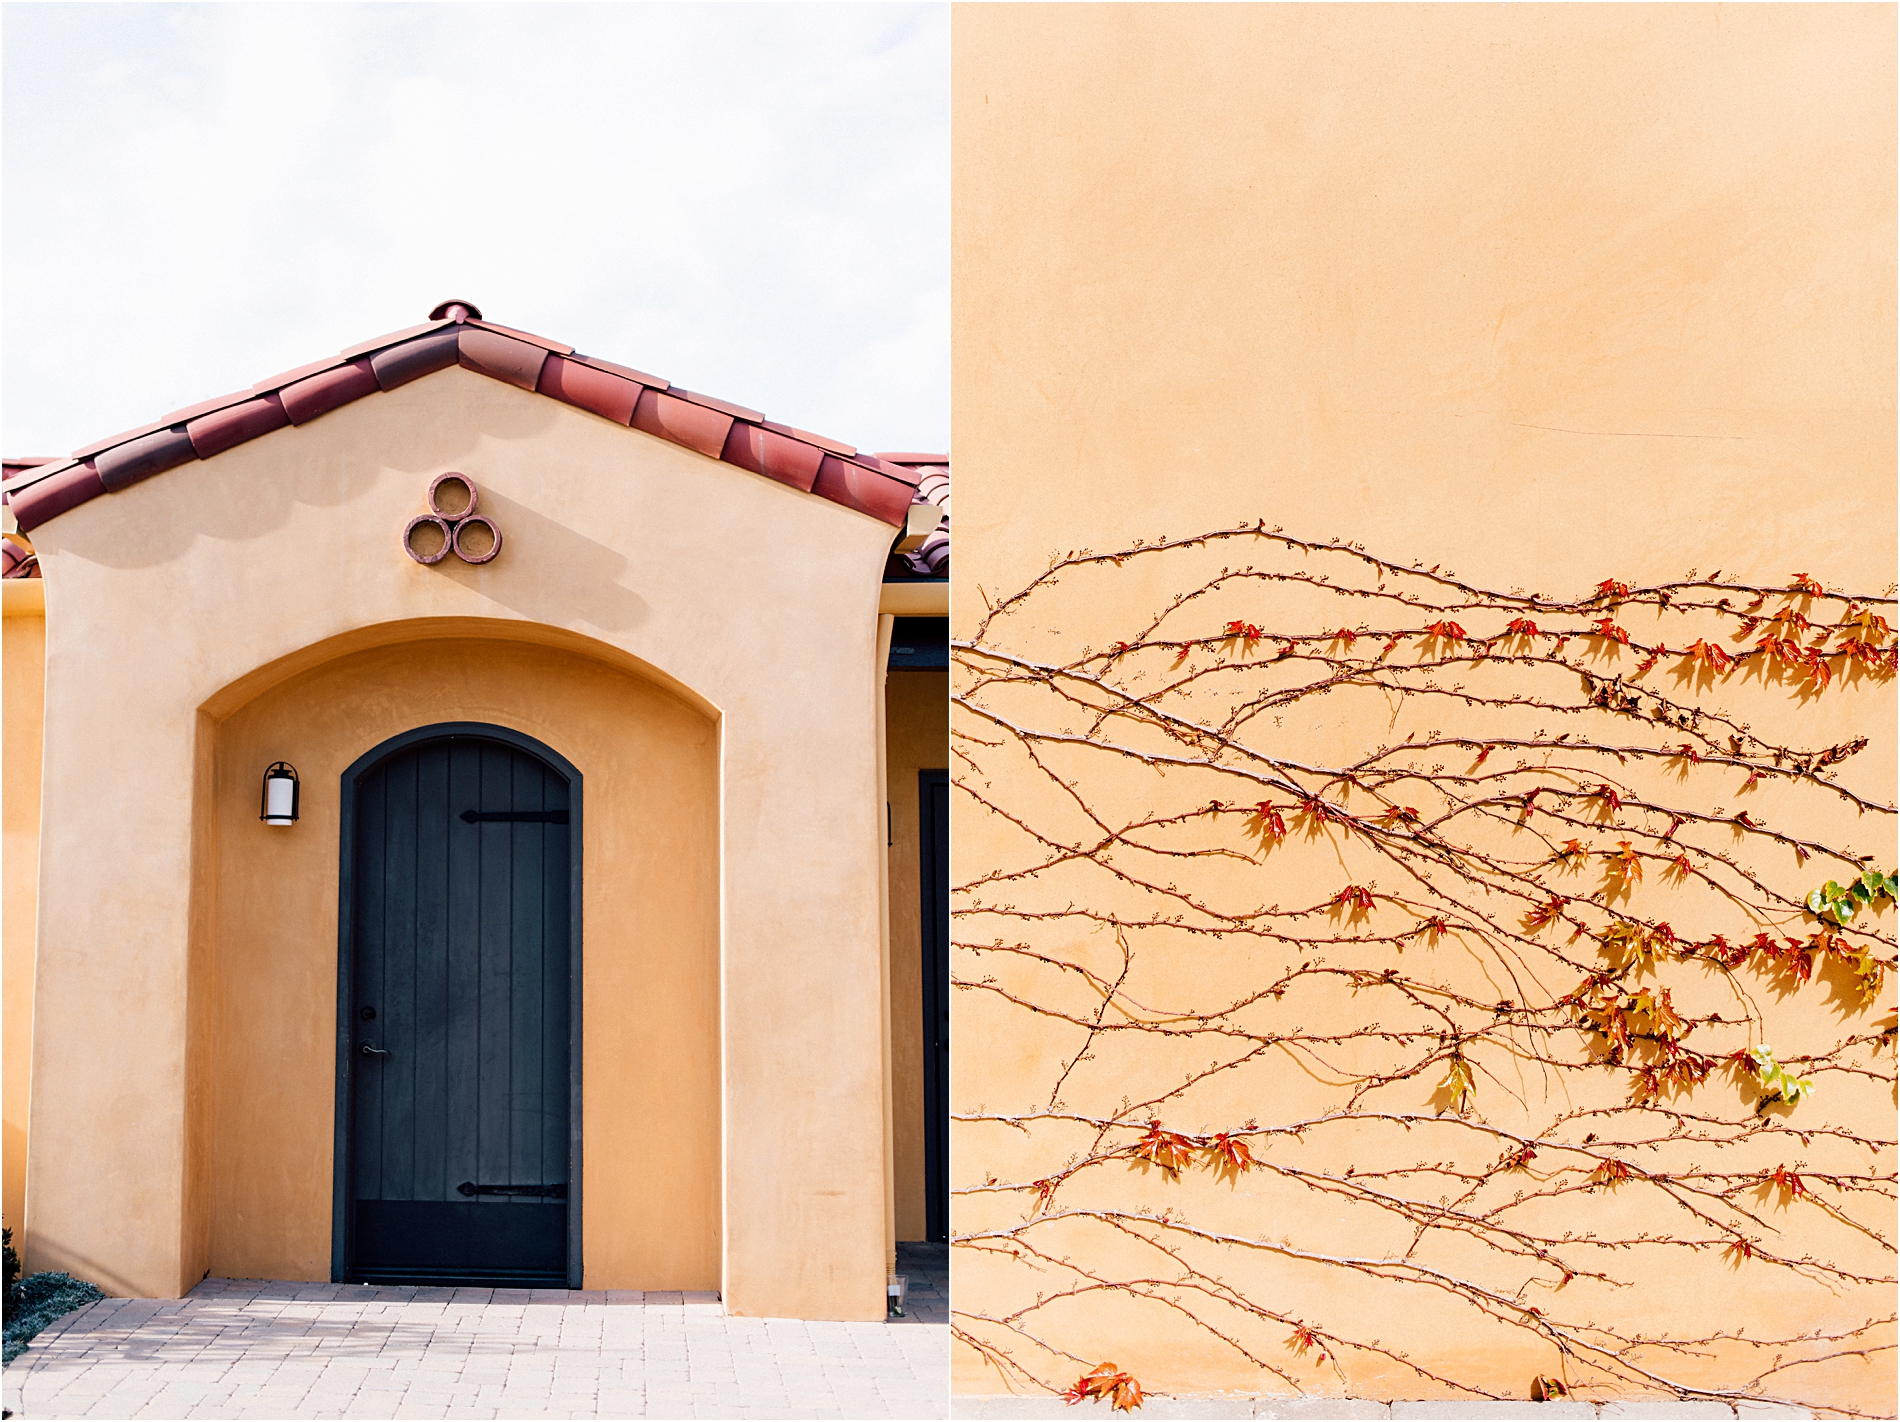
x=183, y=600
x=1540, y=293
x=23, y=668
x=917, y=717
x=650, y=991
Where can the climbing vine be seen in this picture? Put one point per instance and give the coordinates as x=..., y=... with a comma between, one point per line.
x=1423, y=989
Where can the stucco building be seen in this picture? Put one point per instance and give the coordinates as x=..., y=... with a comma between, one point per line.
x=605, y=946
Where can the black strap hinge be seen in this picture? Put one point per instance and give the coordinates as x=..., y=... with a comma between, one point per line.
x=545, y=1192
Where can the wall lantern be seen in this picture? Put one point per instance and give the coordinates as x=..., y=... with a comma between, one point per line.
x=280, y=795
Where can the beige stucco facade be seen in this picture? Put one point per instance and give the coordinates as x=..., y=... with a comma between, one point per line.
x=699, y=641
x=1543, y=294
x=23, y=673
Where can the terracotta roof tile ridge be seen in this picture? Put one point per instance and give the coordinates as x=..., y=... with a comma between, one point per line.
x=830, y=446
x=33, y=476
x=176, y=417
x=558, y=347
x=456, y=334
x=898, y=472
x=299, y=372
x=392, y=339
x=653, y=382
x=725, y=407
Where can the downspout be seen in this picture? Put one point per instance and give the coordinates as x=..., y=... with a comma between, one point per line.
x=885, y=623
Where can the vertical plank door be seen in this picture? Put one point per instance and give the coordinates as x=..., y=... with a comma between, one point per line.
x=933, y=807
x=459, y=1018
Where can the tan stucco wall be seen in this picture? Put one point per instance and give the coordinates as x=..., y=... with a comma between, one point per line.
x=917, y=715
x=747, y=600
x=23, y=673
x=1541, y=293
x=650, y=949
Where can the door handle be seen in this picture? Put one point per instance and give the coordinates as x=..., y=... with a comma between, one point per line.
x=369, y=1051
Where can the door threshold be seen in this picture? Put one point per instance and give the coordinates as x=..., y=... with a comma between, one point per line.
x=469, y=1279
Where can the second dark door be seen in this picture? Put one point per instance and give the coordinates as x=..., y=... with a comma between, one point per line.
x=933, y=805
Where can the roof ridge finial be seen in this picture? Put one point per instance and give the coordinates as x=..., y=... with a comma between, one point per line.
x=456, y=310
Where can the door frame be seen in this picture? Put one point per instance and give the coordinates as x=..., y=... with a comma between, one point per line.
x=340, y=1213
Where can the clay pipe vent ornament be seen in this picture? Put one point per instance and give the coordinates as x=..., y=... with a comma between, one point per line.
x=451, y=525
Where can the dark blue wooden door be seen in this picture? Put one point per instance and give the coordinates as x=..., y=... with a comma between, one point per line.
x=458, y=1013
x=933, y=805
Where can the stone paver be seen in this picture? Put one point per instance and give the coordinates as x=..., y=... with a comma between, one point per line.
x=1334, y=1409
x=247, y=1348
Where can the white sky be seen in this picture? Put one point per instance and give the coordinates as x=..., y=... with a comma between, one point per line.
x=750, y=200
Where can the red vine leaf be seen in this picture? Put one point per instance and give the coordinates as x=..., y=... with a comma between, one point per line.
x=1231, y=1154
x=1105, y=1380
x=1624, y=863
x=1167, y=1149
x=1611, y=1173
x=1606, y=627
x=1788, y=1182
x=1358, y=899
x=1303, y=1340
x=1544, y=914
x=1246, y=632
x=1709, y=655
x=1266, y=822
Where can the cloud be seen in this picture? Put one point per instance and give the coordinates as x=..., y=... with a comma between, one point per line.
x=750, y=200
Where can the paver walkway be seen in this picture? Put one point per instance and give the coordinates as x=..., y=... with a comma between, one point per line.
x=242, y=1349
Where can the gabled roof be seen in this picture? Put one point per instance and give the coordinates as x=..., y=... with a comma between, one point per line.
x=456, y=334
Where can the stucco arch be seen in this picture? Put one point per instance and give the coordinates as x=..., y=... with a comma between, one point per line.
x=264, y=967
x=258, y=680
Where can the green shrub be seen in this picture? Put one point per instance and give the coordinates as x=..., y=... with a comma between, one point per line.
x=12, y=1256
x=36, y=1301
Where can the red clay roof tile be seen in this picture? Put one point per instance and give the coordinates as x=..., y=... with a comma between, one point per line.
x=865, y=490
x=830, y=446
x=501, y=357
x=683, y=422
x=738, y=412
x=365, y=347
x=899, y=472
x=398, y=365
x=558, y=347
x=652, y=382
x=176, y=417
x=320, y=394
x=906, y=458
x=776, y=456
x=607, y=395
x=142, y=458
x=302, y=372
x=49, y=497
x=223, y=429
x=16, y=559
x=28, y=475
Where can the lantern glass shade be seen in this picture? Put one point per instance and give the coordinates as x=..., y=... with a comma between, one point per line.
x=280, y=795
